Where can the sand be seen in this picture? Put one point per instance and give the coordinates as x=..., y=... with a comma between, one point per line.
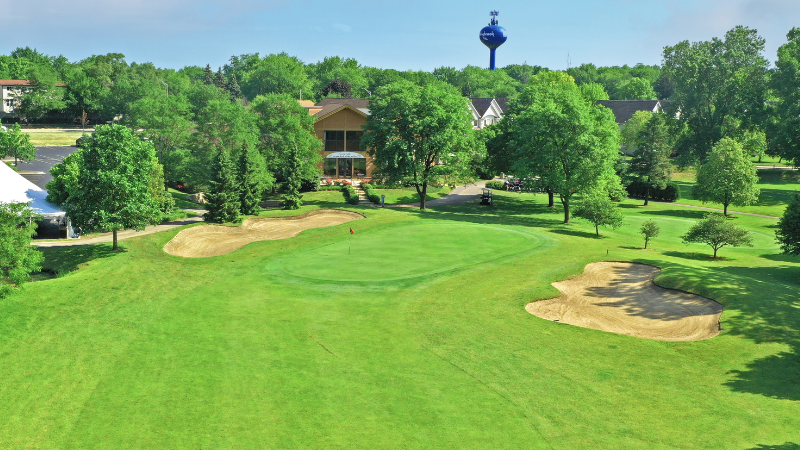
x=214, y=240
x=622, y=298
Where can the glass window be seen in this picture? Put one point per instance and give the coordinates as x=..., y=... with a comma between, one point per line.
x=359, y=167
x=329, y=167
x=354, y=141
x=334, y=141
x=345, y=167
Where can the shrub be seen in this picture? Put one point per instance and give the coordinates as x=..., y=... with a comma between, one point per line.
x=373, y=196
x=669, y=194
x=350, y=194
x=495, y=184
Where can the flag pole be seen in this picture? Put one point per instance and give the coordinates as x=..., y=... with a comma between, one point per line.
x=348, y=243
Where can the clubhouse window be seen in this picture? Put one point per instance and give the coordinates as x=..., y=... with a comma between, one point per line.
x=334, y=141
x=354, y=141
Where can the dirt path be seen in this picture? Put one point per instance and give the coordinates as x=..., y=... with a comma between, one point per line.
x=215, y=240
x=621, y=298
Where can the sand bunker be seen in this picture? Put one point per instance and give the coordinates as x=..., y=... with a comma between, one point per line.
x=622, y=298
x=215, y=240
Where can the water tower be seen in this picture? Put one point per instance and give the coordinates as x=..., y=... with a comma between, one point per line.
x=493, y=36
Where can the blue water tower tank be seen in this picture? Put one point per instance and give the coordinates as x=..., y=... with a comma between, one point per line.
x=493, y=36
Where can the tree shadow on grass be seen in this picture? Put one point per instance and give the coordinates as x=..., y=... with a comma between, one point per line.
x=784, y=446
x=682, y=213
x=696, y=256
x=578, y=233
x=62, y=260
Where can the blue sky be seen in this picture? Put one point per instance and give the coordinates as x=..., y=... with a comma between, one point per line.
x=409, y=34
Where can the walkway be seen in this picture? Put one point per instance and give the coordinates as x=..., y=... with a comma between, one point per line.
x=461, y=194
x=124, y=234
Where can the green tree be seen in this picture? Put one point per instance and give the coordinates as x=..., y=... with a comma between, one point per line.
x=234, y=89
x=292, y=198
x=716, y=231
x=637, y=89
x=630, y=130
x=113, y=190
x=278, y=74
x=561, y=138
x=593, y=92
x=17, y=257
x=788, y=232
x=253, y=179
x=784, y=129
x=600, y=210
x=418, y=134
x=727, y=177
x=208, y=75
x=651, y=158
x=17, y=144
x=754, y=143
x=720, y=87
x=223, y=197
x=347, y=72
x=649, y=230
x=65, y=178
x=286, y=127
x=167, y=122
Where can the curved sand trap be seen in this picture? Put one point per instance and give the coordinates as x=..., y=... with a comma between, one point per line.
x=215, y=240
x=622, y=298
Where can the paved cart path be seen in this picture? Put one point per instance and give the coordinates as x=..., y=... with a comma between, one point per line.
x=123, y=234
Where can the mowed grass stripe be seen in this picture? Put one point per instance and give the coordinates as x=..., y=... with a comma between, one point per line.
x=143, y=349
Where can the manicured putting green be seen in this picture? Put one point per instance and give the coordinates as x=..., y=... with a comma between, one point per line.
x=410, y=251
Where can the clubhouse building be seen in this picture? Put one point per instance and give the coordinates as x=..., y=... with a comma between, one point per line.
x=339, y=123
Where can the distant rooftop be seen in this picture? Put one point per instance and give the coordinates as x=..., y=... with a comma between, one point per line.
x=625, y=109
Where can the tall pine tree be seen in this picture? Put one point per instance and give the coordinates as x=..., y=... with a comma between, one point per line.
x=223, y=199
x=252, y=179
x=219, y=79
x=208, y=75
x=292, y=198
x=234, y=89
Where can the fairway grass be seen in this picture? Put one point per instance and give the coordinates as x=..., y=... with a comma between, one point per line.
x=278, y=346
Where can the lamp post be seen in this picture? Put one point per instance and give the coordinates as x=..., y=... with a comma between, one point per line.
x=367, y=91
x=165, y=84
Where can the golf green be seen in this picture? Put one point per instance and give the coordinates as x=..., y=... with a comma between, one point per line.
x=408, y=251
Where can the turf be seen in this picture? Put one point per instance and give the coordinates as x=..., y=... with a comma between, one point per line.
x=279, y=346
x=409, y=194
x=43, y=138
x=777, y=187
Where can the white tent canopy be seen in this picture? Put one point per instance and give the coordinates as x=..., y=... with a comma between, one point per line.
x=14, y=188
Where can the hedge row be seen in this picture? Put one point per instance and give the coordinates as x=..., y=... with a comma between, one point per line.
x=495, y=184
x=350, y=195
x=669, y=194
x=371, y=194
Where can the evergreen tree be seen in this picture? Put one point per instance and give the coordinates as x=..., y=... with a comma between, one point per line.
x=219, y=80
x=788, y=232
x=223, y=198
x=251, y=179
x=292, y=198
x=208, y=75
x=234, y=89
x=651, y=158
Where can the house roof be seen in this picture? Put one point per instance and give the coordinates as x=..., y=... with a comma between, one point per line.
x=502, y=103
x=334, y=105
x=481, y=105
x=624, y=109
x=23, y=83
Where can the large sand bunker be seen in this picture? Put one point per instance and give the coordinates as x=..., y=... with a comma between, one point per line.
x=622, y=298
x=215, y=240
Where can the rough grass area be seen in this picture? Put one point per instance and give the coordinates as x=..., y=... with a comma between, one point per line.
x=45, y=138
x=409, y=194
x=295, y=344
x=777, y=188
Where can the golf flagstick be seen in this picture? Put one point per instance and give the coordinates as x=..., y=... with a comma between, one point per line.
x=349, y=241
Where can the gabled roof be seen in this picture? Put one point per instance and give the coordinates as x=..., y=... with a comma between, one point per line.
x=502, y=103
x=334, y=105
x=624, y=109
x=486, y=106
